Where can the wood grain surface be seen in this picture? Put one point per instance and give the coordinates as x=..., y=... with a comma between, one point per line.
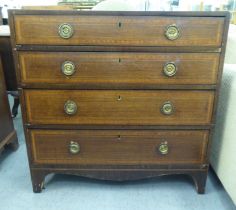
x=118, y=30
x=104, y=107
x=100, y=68
x=118, y=147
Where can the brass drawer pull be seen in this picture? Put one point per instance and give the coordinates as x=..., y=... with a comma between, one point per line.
x=65, y=31
x=74, y=147
x=70, y=107
x=172, y=32
x=68, y=68
x=170, y=69
x=163, y=148
x=167, y=108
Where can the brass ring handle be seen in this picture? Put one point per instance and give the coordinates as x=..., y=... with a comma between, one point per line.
x=167, y=108
x=70, y=107
x=65, y=30
x=172, y=32
x=170, y=69
x=74, y=147
x=164, y=148
x=68, y=68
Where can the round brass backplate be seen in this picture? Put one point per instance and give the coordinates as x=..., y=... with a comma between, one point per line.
x=172, y=32
x=74, y=147
x=163, y=148
x=167, y=108
x=68, y=68
x=70, y=107
x=170, y=69
x=65, y=30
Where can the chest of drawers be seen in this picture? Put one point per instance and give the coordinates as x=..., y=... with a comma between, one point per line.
x=118, y=95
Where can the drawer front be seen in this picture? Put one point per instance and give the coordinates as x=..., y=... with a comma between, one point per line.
x=118, y=30
x=94, y=107
x=118, y=147
x=110, y=69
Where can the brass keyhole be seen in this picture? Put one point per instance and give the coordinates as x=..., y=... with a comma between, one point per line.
x=119, y=98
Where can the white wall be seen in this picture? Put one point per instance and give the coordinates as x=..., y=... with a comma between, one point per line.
x=16, y=4
x=28, y=2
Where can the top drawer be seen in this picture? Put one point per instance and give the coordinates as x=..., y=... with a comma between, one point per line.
x=118, y=30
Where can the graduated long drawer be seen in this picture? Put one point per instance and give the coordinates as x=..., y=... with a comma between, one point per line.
x=118, y=147
x=118, y=30
x=93, y=69
x=98, y=107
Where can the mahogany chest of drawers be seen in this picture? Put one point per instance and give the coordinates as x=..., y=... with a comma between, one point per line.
x=118, y=95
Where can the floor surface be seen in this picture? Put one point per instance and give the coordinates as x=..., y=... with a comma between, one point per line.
x=64, y=192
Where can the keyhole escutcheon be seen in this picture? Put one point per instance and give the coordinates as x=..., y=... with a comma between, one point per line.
x=119, y=98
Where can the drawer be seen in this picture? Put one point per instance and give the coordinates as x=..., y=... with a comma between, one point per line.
x=111, y=69
x=118, y=30
x=99, y=107
x=118, y=147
